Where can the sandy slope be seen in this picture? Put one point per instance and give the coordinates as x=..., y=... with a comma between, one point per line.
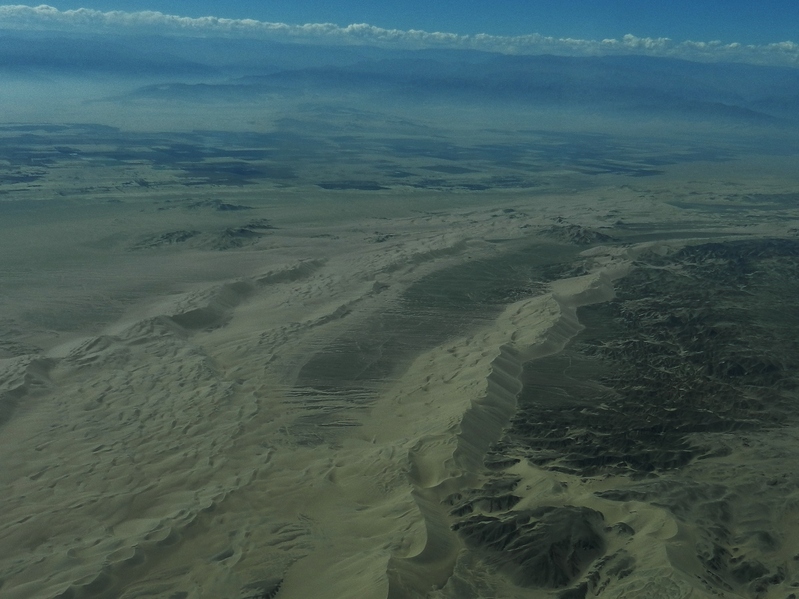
x=162, y=456
x=182, y=450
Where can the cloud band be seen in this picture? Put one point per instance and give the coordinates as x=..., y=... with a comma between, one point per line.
x=45, y=17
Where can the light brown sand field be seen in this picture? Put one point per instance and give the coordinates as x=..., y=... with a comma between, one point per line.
x=287, y=400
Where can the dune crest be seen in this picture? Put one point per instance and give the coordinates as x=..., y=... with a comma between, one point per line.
x=525, y=331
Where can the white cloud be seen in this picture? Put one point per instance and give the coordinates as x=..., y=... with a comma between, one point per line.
x=45, y=17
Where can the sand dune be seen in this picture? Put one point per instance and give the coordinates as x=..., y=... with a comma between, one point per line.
x=129, y=449
x=331, y=410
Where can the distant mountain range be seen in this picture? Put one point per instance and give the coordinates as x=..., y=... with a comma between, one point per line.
x=192, y=69
x=619, y=84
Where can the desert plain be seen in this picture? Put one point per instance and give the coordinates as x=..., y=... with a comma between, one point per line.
x=369, y=358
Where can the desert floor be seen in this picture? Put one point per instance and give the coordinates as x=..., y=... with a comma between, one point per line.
x=241, y=379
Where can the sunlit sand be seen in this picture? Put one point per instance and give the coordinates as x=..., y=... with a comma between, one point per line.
x=229, y=381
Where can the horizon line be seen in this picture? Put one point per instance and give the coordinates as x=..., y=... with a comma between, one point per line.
x=85, y=20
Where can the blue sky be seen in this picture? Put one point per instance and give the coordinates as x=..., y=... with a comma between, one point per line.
x=708, y=31
x=744, y=21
